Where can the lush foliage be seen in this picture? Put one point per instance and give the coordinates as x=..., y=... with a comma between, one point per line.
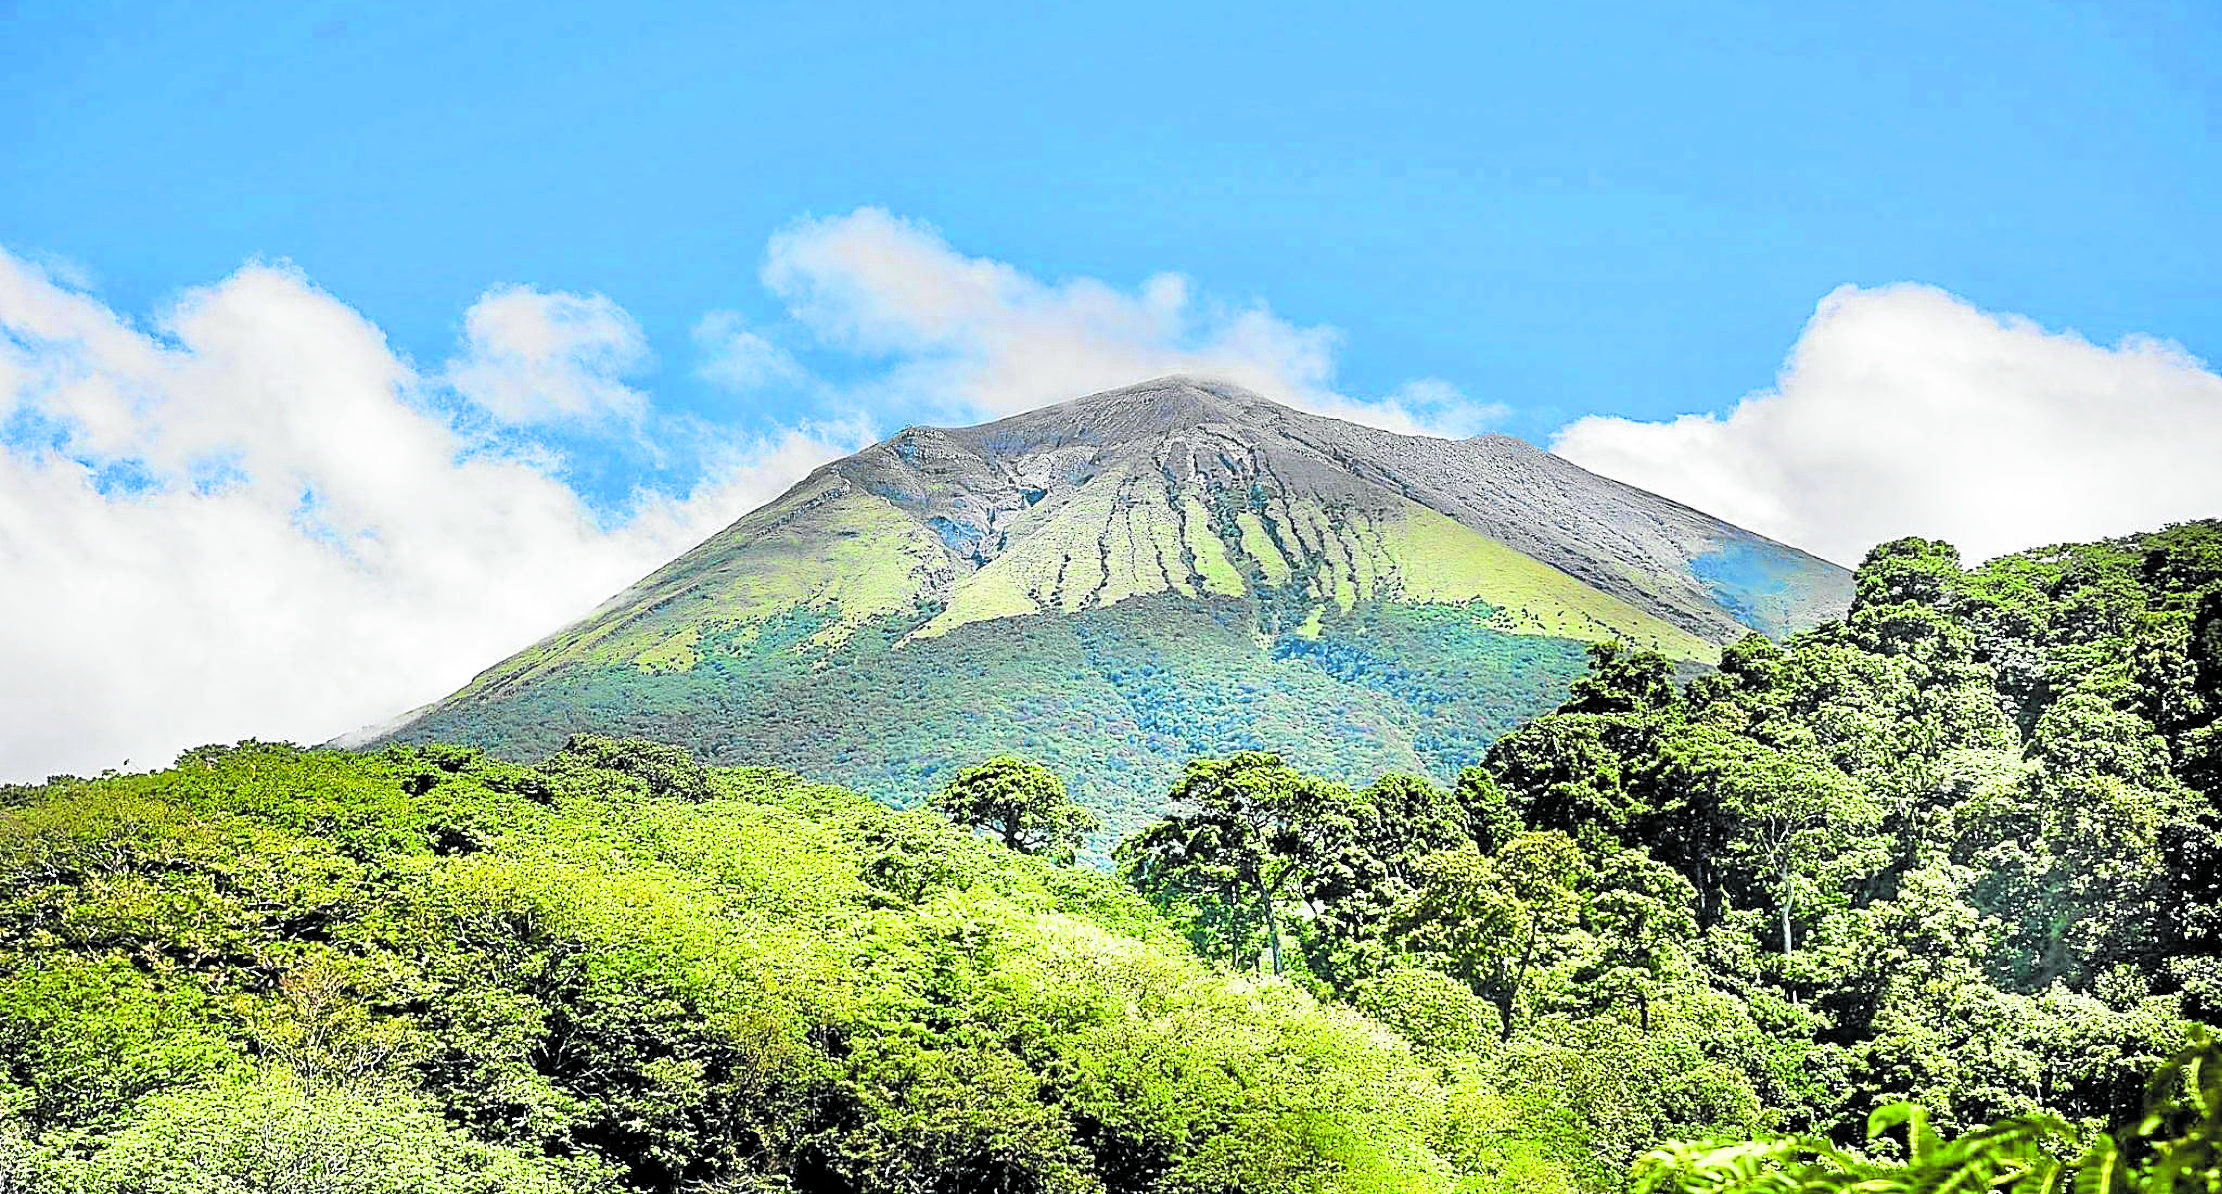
x=1021, y=803
x=426, y=970
x=2175, y=1147
x=1960, y=849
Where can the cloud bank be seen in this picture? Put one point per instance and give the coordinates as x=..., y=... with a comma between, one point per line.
x=972, y=338
x=1904, y=410
x=246, y=521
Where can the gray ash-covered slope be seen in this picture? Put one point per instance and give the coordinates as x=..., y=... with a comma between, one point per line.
x=1125, y=580
x=1688, y=567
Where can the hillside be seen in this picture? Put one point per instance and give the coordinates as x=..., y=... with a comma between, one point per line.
x=1129, y=579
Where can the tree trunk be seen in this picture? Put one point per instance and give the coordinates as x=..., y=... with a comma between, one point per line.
x=1272, y=929
x=1708, y=905
x=1519, y=979
x=1234, y=928
x=1786, y=907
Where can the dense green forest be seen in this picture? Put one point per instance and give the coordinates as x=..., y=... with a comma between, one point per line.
x=427, y=971
x=1958, y=850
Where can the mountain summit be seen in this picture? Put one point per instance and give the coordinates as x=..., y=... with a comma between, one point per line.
x=1119, y=582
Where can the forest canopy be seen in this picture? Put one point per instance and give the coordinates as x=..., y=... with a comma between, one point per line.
x=1959, y=848
x=425, y=970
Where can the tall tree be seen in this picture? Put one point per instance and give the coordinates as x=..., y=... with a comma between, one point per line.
x=1254, y=832
x=1354, y=880
x=1489, y=922
x=1021, y=802
x=1739, y=817
x=1642, y=916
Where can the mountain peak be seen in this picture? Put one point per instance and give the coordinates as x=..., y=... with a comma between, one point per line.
x=1174, y=402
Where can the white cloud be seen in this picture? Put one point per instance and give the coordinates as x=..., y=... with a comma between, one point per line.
x=736, y=358
x=1431, y=401
x=971, y=337
x=249, y=523
x=1905, y=410
x=532, y=356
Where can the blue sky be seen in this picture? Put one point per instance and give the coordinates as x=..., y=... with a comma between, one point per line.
x=373, y=341
x=1578, y=208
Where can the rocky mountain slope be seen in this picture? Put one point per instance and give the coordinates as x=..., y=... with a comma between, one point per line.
x=1119, y=582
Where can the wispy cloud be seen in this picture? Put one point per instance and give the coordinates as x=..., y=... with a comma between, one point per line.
x=1906, y=410
x=968, y=337
x=738, y=360
x=532, y=356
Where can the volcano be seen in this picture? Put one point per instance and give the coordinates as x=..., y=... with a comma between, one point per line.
x=1118, y=583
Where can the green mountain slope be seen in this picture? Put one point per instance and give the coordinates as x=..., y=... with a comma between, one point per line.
x=1123, y=581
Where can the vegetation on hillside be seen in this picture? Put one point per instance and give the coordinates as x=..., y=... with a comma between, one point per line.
x=1113, y=700
x=1958, y=851
x=425, y=971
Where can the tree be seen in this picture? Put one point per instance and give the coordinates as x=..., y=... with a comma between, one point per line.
x=1490, y=818
x=1403, y=819
x=1255, y=832
x=1620, y=680
x=1793, y=816
x=664, y=770
x=1355, y=878
x=1020, y=802
x=1907, y=571
x=1905, y=600
x=270, y=1135
x=1641, y=915
x=1567, y=771
x=1464, y=921
x=2206, y=645
x=1490, y=921
x=1733, y=813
